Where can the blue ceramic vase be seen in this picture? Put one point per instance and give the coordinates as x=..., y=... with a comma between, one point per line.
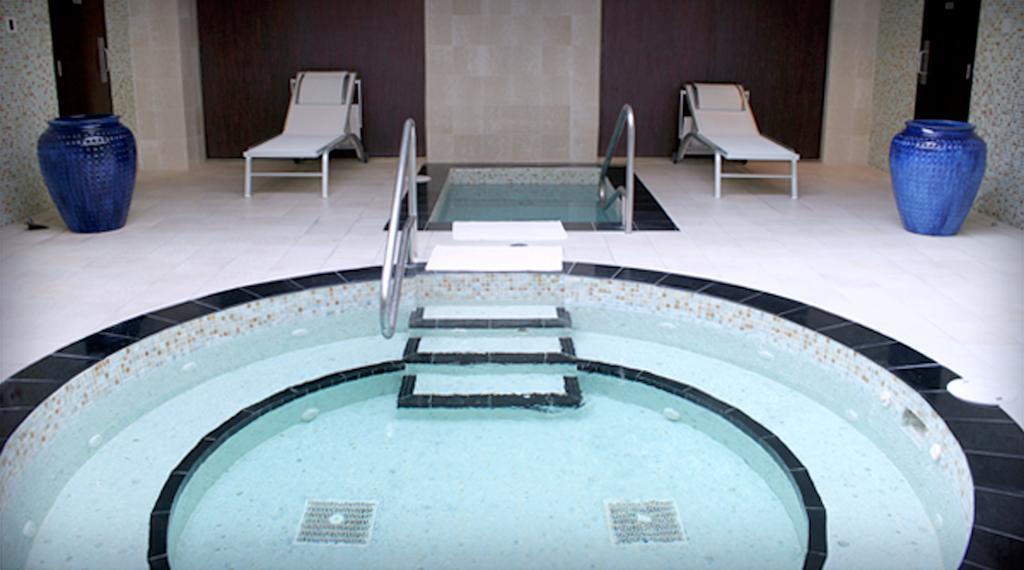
x=88, y=163
x=936, y=168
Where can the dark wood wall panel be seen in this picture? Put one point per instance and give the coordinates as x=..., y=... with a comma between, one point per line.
x=777, y=49
x=250, y=49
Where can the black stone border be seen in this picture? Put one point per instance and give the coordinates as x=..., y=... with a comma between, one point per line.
x=26, y=389
x=570, y=398
x=159, y=519
x=814, y=510
x=648, y=215
x=567, y=355
x=990, y=439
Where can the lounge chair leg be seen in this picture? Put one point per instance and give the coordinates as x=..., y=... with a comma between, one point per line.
x=684, y=143
x=248, y=177
x=792, y=180
x=718, y=175
x=357, y=144
x=325, y=157
x=680, y=150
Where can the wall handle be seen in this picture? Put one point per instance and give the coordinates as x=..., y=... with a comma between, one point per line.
x=101, y=52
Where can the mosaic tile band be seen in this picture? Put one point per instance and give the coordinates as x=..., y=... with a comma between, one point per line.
x=537, y=175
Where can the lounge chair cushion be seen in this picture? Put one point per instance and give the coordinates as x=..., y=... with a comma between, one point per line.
x=294, y=146
x=725, y=123
x=322, y=88
x=317, y=119
x=719, y=97
x=749, y=147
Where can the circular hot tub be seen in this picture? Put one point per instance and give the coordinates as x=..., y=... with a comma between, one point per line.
x=598, y=417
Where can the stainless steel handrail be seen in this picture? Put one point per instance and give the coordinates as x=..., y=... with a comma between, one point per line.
x=397, y=254
x=628, y=120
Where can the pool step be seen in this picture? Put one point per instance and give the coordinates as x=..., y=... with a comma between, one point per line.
x=495, y=258
x=490, y=350
x=477, y=344
x=490, y=356
x=518, y=390
x=490, y=311
x=509, y=232
x=490, y=317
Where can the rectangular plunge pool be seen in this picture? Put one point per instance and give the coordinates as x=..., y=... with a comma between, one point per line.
x=517, y=194
x=568, y=194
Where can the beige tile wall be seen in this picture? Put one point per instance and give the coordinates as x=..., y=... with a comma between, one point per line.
x=195, y=135
x=512, y=80
x=165, y=69
x=853, y=36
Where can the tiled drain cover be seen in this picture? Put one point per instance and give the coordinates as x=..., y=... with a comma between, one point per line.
x=335, y=522
x=641, y=522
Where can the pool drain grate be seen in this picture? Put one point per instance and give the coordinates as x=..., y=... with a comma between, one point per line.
x=642, y=522
x=337, y=522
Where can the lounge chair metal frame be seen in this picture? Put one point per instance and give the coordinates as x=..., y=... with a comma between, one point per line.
x=348, y=137
x=689, y=130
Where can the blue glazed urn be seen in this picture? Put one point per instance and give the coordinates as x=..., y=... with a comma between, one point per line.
x=88, y=163
x=936, y=168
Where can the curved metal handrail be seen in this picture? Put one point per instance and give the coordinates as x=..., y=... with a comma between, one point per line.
x=628, y=120
x=397, y=254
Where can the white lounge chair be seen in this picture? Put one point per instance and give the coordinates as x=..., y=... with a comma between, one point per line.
x=325, y=113
x=721, y=119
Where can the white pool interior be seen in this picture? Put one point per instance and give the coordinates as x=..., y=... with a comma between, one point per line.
x=475, y=486
x=569, y=194
x=488, y=488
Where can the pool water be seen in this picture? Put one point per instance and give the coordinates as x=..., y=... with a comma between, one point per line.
x=488, y=488
x=523, y=194
x=523, y=202
x=100, y=516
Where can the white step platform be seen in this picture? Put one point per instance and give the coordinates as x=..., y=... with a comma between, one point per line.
x=509, y=232
x=490, y=312
x=495, y=258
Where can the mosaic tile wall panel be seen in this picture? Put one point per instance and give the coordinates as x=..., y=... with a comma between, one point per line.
x=588, y=175
x=119, y=58
x=997, y=108
x=28, y=98
x=899, y=34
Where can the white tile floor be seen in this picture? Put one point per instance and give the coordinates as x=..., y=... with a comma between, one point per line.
x=959, y=299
